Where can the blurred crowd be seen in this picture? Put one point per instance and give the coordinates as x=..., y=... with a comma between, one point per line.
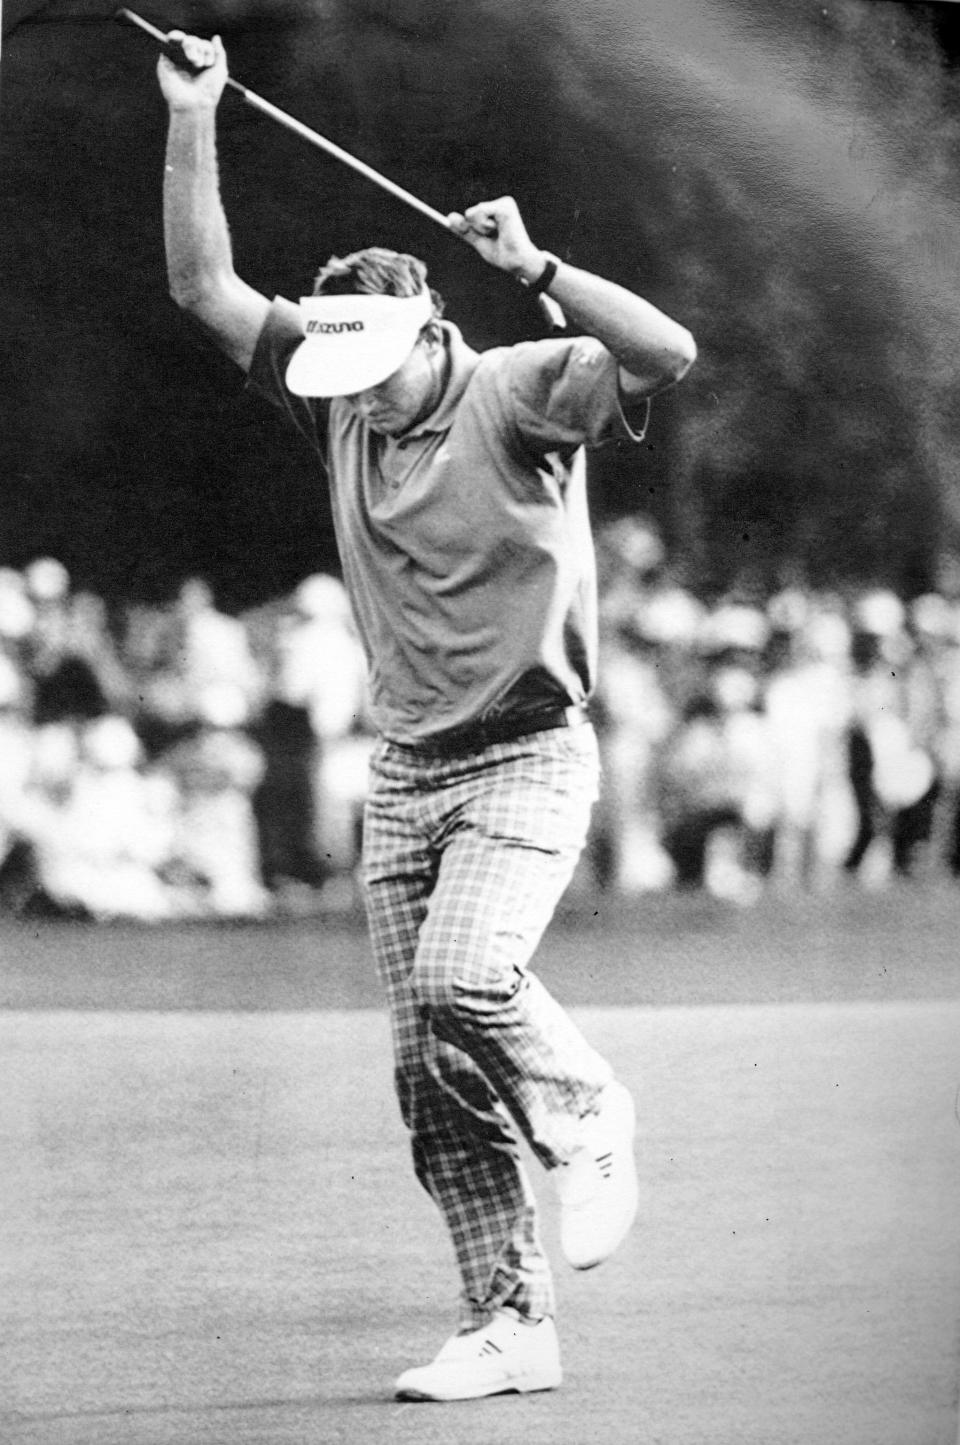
x=801, y=739
x=176, y=762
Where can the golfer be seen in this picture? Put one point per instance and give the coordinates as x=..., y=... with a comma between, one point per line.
x=459, y=500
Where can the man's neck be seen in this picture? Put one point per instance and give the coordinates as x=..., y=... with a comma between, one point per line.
x=441, y=375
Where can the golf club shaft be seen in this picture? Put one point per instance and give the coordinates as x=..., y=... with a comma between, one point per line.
x=549, y=307
x=314, y=137
x=324, y=144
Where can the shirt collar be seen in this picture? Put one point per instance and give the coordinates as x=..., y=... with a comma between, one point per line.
x=463, y=361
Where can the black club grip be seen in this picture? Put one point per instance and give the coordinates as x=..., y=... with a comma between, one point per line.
x=173, y=50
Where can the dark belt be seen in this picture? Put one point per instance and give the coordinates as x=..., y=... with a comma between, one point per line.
x=475, y=736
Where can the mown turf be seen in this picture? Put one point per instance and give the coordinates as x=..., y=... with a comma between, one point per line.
x=900, y=944
x=211, y=1233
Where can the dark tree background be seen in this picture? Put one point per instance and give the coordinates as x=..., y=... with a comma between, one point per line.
x=781, y=178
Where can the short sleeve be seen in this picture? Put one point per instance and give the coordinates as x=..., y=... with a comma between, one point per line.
x=280, y=336
x=566, y=393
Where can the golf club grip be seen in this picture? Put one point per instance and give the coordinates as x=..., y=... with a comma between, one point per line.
x=173, y=50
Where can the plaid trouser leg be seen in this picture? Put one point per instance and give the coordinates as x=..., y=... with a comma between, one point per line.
x=464, y=1149
x=464, y=861
x=515, y=827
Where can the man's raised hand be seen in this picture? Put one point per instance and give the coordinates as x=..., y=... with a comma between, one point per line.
x=496, y=231
x=199, y=81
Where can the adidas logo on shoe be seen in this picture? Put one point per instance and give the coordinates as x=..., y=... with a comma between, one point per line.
x=598, y=1185
x=508, y=1355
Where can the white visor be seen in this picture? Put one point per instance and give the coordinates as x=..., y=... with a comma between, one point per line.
x=354, y=342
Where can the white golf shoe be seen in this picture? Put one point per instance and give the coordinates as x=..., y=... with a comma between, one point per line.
x=507, y=1355
x=598, y=1185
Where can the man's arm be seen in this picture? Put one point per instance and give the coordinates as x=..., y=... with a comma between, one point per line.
x=199, y=256
x=653, y=351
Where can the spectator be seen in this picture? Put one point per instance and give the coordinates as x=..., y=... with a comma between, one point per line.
x=316, y=687
x=16, y=610
x=63, y=667
x=17, y=860
x=635, y=711
x=699, y=793
x=716, y=776
x=195, y=648
x=217, y=768
x=891, y=775
x=807, y=705
x=90, y=638
x=949, y=749
x=934, y=707
x=341, y=724
x=105, y=847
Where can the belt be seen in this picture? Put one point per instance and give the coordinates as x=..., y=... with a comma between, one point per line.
x=475, y=736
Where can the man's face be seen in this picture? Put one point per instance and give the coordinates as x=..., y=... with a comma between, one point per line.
x=409, y=394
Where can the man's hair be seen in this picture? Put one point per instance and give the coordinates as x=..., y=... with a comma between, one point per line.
x=378, y=271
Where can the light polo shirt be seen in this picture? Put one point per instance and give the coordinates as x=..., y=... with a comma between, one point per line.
x=465, y=544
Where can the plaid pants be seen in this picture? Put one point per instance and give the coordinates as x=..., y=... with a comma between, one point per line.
x=464, y=862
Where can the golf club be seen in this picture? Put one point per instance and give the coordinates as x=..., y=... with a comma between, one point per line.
x=172, y=47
